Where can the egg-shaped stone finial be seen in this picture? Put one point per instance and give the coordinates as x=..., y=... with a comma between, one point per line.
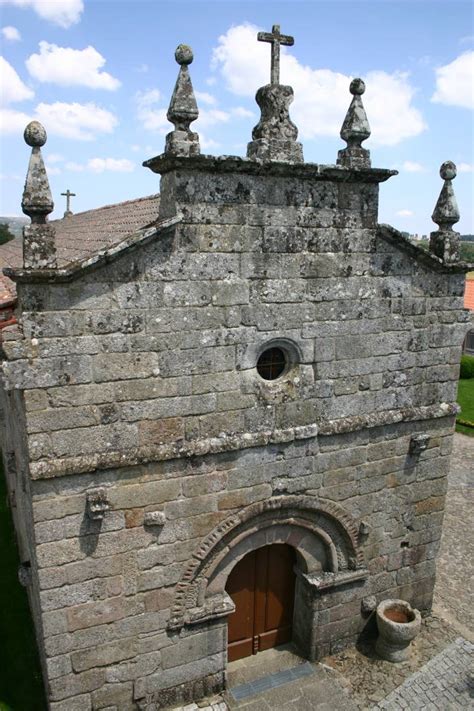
x=357, y=87
x=355, y=129
x=183, y=109
x=184, y=54
x=35, y=134
x=448, y=170
x=39, y=245
x=445, y=242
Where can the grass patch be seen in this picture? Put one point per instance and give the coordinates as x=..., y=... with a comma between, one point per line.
x=466, y=400
x=21, y=686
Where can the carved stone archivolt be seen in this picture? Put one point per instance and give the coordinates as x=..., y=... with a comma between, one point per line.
x=324, y=535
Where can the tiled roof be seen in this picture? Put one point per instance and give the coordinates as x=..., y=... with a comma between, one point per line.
x=81, y=235
x=469, y=293
x=10, y=256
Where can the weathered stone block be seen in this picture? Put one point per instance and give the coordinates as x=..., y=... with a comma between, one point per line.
x=104, y=655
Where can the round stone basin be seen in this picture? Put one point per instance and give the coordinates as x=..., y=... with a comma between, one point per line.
x=398, y=624
x=398, y=614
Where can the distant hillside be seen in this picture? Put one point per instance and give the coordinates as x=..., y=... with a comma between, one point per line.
x=15, y=224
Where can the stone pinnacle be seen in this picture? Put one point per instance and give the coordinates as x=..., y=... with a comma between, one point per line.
x=445, y=242
x=183, y=109
x=355, y=129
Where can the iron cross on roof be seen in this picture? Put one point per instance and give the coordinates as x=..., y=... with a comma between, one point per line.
x=276, y=40
x=68, y=195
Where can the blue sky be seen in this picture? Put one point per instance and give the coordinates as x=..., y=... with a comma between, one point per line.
x=99, y=75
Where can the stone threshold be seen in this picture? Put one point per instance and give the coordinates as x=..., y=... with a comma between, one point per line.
x=270, y=681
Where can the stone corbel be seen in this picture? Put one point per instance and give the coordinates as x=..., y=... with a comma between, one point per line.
x=214, y=608
x=154, y=518
x=322, y=582
x=24, y=574
x=97, y=504
x=419, y=443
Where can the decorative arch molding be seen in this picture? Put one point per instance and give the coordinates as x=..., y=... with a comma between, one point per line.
x=323, y=533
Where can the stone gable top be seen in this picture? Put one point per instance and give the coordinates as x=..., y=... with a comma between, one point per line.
x=61, y=248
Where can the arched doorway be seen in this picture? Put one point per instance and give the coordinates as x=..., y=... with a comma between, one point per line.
x=262, y=587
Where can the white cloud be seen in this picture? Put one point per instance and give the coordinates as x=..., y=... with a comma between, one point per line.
x=100, y=165
x=11, y=86
x=116, y=165
x=321, y=96
x=205, y=98
x=55, y=158
x=12, y=122
x=465, y=167
x=455, y=82
x=208, y=144
x=77, y=121
x=211, y=117
x=151, y=117
x=148, y=98
x=11, y=34
x=61, y=12
x=242, y=112
x=52, y=169
x=410, y=166
x=70, y=67
x=74, y=167
x=405, y=213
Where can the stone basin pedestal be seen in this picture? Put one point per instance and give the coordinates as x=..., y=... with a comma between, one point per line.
x=398, y=624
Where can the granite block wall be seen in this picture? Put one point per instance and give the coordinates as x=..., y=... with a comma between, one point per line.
x=137, y=385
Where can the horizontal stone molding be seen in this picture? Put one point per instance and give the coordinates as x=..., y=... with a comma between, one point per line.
x=234, y=164
x=328, y=581
x=51, y=468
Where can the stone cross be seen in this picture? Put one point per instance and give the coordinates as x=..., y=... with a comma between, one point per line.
x=276, y=40
x=68, y=195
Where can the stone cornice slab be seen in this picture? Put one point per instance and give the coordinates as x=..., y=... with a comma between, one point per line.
x=234, y=164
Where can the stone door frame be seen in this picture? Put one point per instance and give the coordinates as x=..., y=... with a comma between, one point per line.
x=324, y=536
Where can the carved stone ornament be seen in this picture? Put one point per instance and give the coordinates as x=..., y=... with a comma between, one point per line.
x=39, y=248
x=355, y=129
x=183, y=109
x=274, y=137
x=24, y=574
x=445, y=242
x=154, y=518
x=97, y=504
x=419, y=443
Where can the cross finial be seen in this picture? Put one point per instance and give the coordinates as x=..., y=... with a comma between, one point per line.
x=68, y=195
x=276, y=40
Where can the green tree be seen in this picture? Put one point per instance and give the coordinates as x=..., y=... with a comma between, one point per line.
x=5, y=234
x=467, y=251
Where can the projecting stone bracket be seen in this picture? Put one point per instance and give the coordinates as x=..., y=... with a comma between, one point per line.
x=154, y=518
x=97, y=504
x=419, y=443
x=328, y=581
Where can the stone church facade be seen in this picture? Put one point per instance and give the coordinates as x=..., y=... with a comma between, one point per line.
x=262, y=368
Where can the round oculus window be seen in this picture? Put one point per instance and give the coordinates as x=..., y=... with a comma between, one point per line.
x=272, y=363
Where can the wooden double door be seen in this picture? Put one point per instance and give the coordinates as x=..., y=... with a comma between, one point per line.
x=262, y=587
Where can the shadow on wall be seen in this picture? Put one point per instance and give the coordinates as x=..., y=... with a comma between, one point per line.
x=21, y=685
